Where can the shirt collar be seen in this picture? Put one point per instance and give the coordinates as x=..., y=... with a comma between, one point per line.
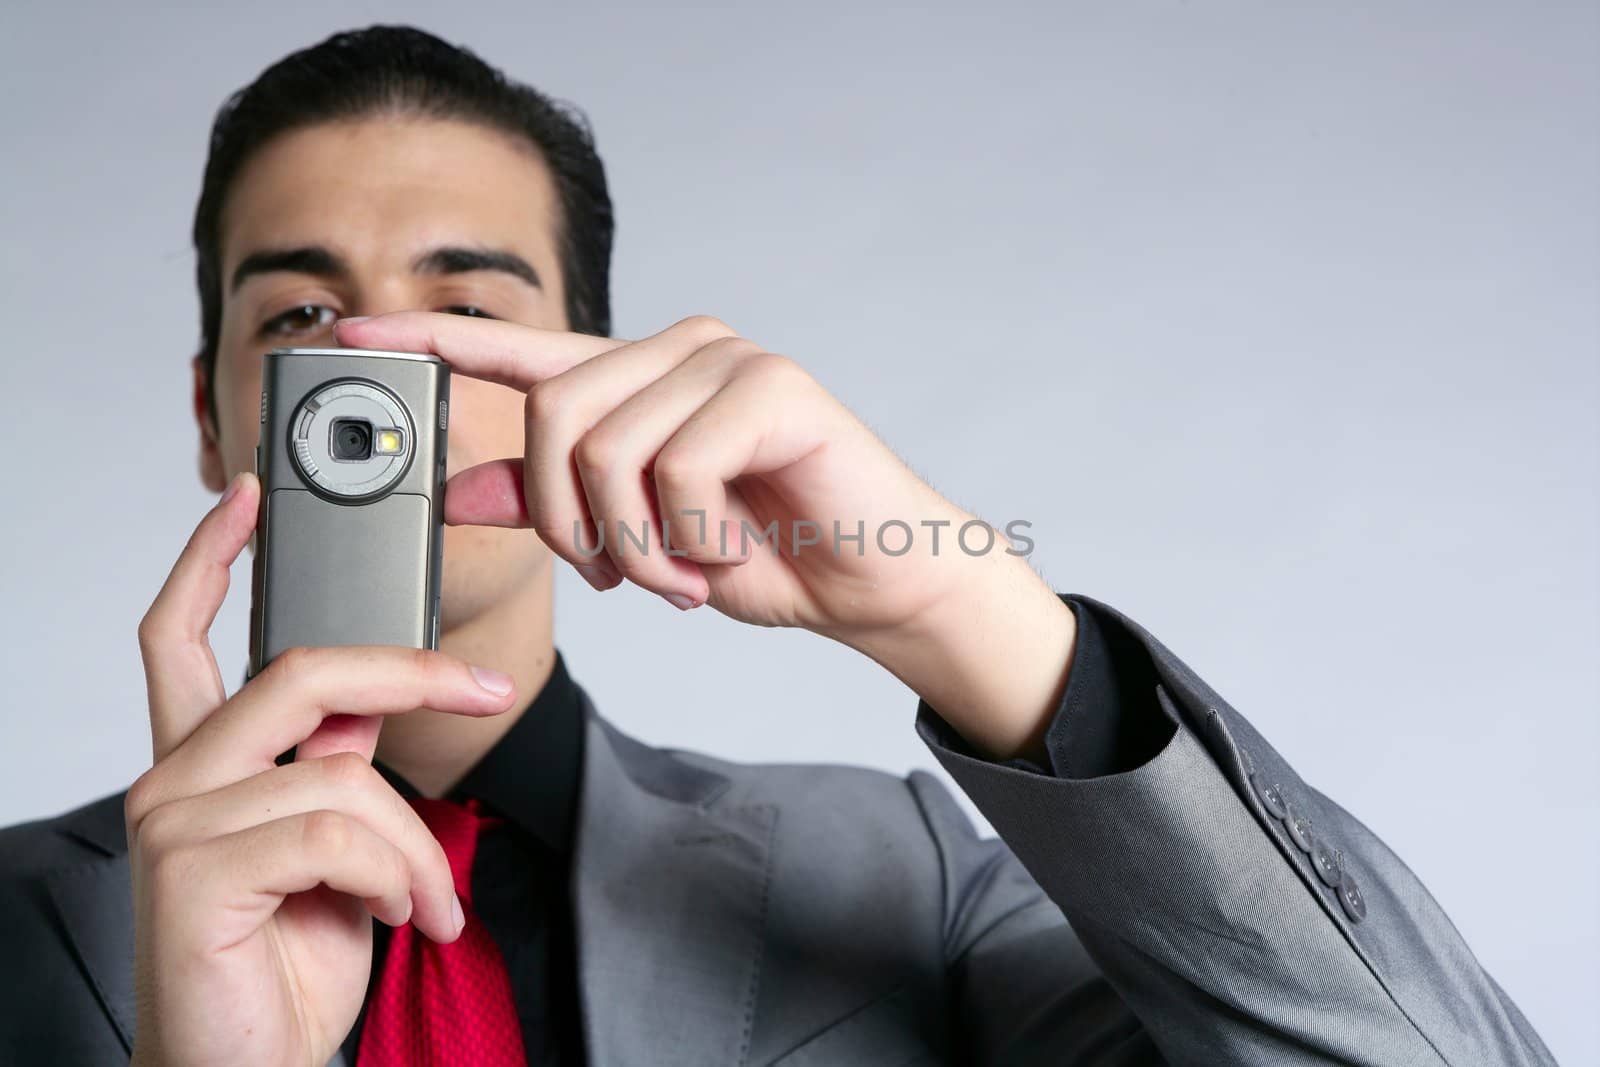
x=531, y=775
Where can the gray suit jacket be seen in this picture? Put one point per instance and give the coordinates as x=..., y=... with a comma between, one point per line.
x=801, y=914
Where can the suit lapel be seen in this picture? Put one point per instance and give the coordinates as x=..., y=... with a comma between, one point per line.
x=95, y=903
x=669, y=893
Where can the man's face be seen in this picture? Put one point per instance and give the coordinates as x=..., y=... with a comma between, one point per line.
x=361, y=205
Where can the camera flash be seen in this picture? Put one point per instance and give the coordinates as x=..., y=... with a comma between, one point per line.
x=387, y=443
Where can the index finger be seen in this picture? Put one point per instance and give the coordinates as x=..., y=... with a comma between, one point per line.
x=286, y=704
x=495, y=350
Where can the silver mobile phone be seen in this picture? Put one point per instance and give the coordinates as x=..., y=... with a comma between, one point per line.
x=351, y=527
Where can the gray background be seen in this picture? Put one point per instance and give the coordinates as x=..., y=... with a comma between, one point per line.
x=1277, y=320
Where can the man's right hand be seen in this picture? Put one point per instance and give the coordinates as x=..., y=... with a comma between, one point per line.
x=254, y=884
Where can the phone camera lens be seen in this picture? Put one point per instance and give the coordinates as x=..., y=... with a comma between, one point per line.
x=352, y=439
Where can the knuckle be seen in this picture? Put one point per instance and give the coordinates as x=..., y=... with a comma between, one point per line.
x=149, y=631
x=325, y=833
x=431, y=669
x=544, y=401
x=427, y=664
x=777, y=370
x=157, y=833
x=140, y=798
x=704, y=329
x=293, y=665
x=346, y=770
x=675, y=468
x=597, y=452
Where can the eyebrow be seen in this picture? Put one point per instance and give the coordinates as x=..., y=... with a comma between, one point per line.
x=446, y=259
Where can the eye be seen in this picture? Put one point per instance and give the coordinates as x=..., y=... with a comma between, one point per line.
x=302, y=319
x=470, y=310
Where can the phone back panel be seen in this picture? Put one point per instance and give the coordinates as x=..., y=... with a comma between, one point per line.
x=341, y=575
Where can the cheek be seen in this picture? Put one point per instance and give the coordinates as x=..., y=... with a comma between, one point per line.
x=485, y=422
x=238, y=397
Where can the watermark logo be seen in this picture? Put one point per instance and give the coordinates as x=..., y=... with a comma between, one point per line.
x=891, y=537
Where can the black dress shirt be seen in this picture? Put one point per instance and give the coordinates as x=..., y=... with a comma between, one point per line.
x=1108, y=721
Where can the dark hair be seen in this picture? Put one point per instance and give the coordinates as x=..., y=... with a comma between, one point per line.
x=402, y=70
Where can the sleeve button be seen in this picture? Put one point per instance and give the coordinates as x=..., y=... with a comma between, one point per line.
x=1355, y=905
x=1299, y=830
x=1328, y=864
x=1271, y=796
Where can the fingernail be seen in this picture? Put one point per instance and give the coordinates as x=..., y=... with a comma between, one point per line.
x=494, y=681
x=455, y=910
x=599, y=575
x=233, y=488
x=679, y=601
x=353, y=318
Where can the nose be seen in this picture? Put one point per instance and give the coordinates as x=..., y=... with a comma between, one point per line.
x=382, y=292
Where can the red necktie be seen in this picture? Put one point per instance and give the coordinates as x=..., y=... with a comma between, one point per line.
x=436, y=1005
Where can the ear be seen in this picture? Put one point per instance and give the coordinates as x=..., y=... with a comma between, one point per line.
x=212, y=474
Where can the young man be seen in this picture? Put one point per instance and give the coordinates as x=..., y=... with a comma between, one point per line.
x=548, y=890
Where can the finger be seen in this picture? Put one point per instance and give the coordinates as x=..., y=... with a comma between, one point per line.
x=748, y=427
x=245, y=875
x=615, y=461
x=181, y=675
x=284, y=704
x=506, y=353
x=489, y=494
x=764, y=419
x=344, y=783
x=342, y=733
x=561, y=411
